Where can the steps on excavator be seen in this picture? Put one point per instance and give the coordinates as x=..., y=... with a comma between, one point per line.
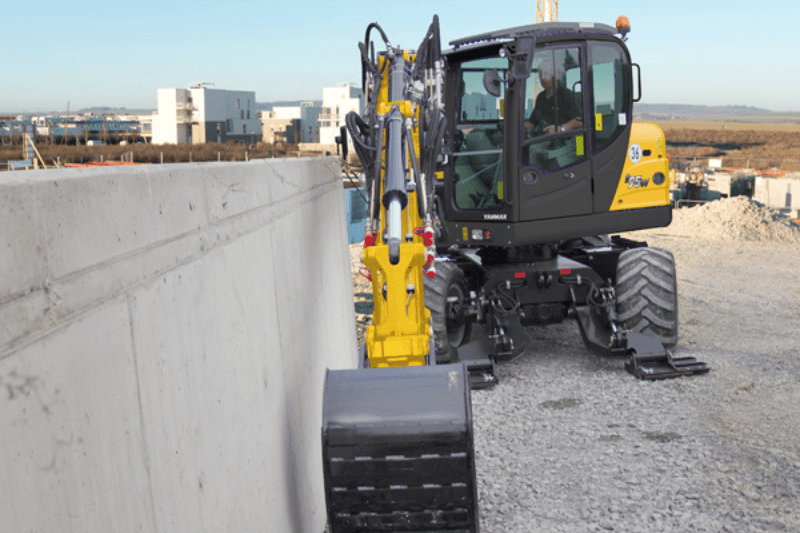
x=398, y=450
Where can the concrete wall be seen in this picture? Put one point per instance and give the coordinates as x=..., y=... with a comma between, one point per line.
x=719, y=183
x=778, y=193
x=164, y=334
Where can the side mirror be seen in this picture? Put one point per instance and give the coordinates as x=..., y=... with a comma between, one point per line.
x=492, y=82
x=522, y=61
x=342, y=140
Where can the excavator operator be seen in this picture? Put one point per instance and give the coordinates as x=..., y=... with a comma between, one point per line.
x=556, y=108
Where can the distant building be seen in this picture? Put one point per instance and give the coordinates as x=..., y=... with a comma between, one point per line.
x=146, y=127
x=292, y=124
x=12, y=127
x=87, y=126
x=203, y=114
x=336, y=103
x=279, y=130
x=80, y=126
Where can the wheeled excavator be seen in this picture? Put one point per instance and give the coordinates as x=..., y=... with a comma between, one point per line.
x=495, y=172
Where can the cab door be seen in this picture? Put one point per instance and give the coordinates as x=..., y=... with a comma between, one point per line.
x=611, y=118
x=476, y=175
x=555, y=172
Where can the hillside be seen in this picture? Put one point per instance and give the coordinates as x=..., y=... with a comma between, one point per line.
x=685, y=110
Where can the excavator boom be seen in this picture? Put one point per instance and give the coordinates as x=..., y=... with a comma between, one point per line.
x=397, y=433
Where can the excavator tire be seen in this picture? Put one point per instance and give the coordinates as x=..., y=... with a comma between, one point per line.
x=446, y=296
x=647, y=294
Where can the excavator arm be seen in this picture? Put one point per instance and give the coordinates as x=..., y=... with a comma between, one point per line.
x=404, y=127
x=397, y=432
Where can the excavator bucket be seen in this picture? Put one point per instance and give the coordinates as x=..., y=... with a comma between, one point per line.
x=398, y=450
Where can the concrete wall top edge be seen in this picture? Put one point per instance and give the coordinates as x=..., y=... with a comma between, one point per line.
x=60, y=229
x=69, y=219
x=329, y=163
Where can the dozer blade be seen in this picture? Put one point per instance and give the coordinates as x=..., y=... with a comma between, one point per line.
x=649, y=360
x=398, y=451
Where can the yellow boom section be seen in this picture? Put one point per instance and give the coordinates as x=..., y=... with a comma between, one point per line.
x=400, y=331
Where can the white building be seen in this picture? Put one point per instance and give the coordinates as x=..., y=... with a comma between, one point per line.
x=336, y=103
x=203, y=114
x=86, y=125
x=294, y=124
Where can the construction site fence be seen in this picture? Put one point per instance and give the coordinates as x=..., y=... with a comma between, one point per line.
x=768, y=167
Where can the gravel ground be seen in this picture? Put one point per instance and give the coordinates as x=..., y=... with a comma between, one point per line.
x=571, y=442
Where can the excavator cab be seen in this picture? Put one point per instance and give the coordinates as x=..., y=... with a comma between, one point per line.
x=540, y=131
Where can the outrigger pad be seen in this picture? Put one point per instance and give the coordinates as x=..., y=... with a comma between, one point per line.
x=475, y=355
x=397, y=450
x=649, y=360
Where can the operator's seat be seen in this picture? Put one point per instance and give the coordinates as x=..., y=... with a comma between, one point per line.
x=478, y=174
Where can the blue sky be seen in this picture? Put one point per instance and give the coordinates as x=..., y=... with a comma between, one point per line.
x=117, y=54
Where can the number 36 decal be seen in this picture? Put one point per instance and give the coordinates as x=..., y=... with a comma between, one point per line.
x=635, y=182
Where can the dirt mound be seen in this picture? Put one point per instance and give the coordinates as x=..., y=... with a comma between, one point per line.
x=733, y=219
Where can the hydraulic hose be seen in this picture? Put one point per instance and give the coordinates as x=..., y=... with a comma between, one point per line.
x=433, y=141
x=422, y=195
x=429, y=50
x=376, y=26
x=366, y=64
x=373, y=203
x=358, y=130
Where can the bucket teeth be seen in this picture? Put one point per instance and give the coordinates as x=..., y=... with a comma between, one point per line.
x=397, y=459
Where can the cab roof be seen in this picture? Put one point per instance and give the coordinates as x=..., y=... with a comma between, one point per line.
x=534, y=30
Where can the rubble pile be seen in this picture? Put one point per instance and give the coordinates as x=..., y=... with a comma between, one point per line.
x=733, y=219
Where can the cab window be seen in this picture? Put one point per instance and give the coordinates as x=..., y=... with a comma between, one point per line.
x=609, y=93
x=553, y=133
x=478, y=142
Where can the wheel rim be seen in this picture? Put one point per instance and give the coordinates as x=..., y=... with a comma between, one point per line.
x=454, y=316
